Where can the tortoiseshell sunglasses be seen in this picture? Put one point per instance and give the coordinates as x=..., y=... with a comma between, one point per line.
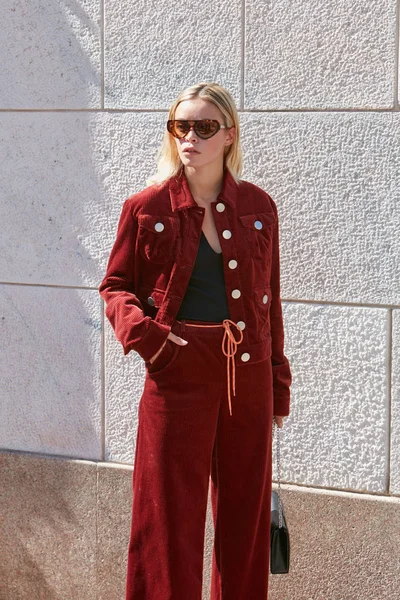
x=205, y=128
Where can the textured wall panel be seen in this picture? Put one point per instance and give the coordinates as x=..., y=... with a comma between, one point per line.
x=50, y=54
x=124, y=385
x=336, y=180
x=159, y=48
x=64, y=178
x=336, y=434
x=50, y=373
x=312, y=54
x=395, y=437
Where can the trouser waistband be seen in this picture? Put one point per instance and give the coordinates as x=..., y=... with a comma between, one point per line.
x=229, y=344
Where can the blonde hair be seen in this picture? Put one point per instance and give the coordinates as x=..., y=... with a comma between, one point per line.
x=168, y=161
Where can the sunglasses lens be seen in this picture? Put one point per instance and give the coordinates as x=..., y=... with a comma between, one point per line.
x=178, y=128
x=206, y=128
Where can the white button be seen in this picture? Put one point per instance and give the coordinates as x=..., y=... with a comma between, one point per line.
x=226, y=234
x=235, y=293
x=265, y=299
x=159, y=227
x=232, y=264
x=258, y=224
x=241, y=324
x=245, y=356
x=220, y=207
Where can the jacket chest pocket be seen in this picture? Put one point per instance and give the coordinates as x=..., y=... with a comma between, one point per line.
x=258, y=231
x=157, y=237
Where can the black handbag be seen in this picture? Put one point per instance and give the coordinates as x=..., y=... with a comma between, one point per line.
x=280, y=543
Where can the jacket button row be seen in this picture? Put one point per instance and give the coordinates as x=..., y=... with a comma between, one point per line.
x=220, y=207
x=159, y=227
x=235, y=294
x=232, y=264
x=226, y=234
x=265, y=299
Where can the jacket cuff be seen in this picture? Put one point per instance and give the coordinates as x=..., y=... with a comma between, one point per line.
x=281, y=407
x=151, y=342
x=282, y=378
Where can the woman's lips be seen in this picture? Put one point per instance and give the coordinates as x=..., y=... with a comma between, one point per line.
x=188, y=151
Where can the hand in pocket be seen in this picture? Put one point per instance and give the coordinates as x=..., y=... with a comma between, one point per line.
x=171, y=336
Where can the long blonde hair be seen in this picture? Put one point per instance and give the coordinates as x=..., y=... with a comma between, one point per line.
x=168, y=161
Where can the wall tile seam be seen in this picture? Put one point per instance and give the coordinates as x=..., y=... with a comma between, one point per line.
x=286, y=485
x=340, y=304
x=344, y=490
x=102, y=47
x=391, y=109
x=129, y=467
x=242, y=55
x=396, y=56
x=283, y=299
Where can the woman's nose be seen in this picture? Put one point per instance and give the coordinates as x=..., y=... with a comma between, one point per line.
x=191, y=132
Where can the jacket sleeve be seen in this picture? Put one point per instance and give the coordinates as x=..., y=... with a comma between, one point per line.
x=282, y=377
x=132, y=327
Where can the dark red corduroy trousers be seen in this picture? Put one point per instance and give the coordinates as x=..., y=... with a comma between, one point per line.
x=185, y=435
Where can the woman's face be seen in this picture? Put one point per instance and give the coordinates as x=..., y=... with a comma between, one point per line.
x=208, y=151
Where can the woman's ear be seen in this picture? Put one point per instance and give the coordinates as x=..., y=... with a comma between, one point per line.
x=230, y=138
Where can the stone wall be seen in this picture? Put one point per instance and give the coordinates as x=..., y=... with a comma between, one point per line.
x=84, y=91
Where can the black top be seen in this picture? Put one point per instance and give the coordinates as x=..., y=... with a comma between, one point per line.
x=205, y=297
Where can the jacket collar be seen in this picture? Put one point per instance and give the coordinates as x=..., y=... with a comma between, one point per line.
x=181, y=196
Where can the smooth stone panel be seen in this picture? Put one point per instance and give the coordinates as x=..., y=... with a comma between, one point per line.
x=64, y=179
x=158, y=49
x=312, y=54
x=395, y=402
x=124, y=380
x=51, y=54
x=48, y=529
x=342, y=546
x=337, y=432
x=336, y=180
x=50, y=373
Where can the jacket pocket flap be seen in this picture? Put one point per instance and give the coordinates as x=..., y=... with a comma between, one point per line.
x=154, y=222
x=266, y=219
x=262, y=294
x=146, y=292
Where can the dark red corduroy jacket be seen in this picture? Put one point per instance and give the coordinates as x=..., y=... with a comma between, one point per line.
x=152, y=260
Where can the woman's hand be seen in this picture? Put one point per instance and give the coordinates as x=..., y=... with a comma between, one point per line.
x=175, y=338
x=279, y=421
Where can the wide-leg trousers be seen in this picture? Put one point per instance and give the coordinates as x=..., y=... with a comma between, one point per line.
x=186, y=439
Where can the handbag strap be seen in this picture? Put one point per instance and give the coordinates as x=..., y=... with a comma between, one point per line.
x=276, y=431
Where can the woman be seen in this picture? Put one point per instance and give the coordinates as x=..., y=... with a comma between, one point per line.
x=192, y=285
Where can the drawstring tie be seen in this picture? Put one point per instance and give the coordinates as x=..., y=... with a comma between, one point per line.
x=230, y=351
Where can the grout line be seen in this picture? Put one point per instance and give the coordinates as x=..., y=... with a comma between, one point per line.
x=243, y=54
x=129, y=467
x=102, y=68
x=302, y=110
x=343, y=304
x=284, y=300
x=396, y=57
x=389, y=350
